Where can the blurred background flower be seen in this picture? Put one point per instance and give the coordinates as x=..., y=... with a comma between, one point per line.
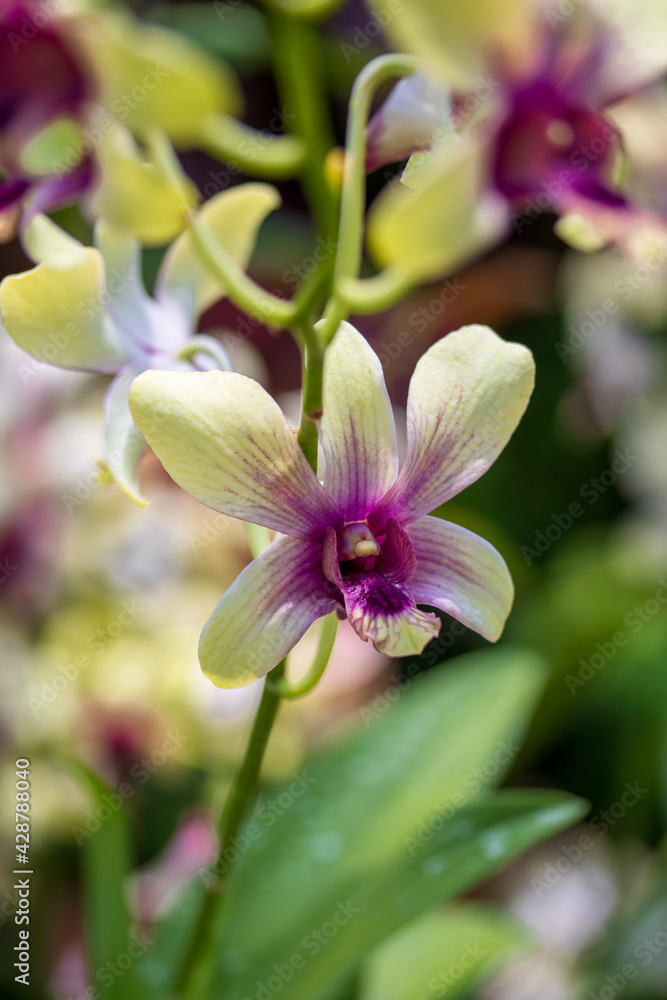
x=101, y=604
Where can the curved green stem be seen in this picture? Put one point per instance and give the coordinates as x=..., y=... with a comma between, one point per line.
x=252, y=151
x=241, y=289
x=297, y=689
x=372, y=295
x=239, y=800
x=348, y=258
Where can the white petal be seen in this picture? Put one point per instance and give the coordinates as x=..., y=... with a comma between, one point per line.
x=462, y=574
x=122, y=443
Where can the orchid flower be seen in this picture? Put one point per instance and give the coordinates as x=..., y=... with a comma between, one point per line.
x=44, y=87
x=361, y=544
x=85, y=308
x=536, y=129
x=76, y=89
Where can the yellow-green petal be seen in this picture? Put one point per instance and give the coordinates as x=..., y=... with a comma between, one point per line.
x=151, y=77
x=423, y=232
x=235, y=216
x=222, y=438
x=138, y=194
x=47, y=243
x=466, y=397
x=48, y=150
x=456, y=38
x=58, y=315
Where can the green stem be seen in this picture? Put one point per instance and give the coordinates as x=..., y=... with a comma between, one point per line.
x=348, y=258
x=297, y=689
x=311, y=404
x=252, y=151
x=299, y=65
x=239, y=800
x=310, y=9
x=241, y=289
x=372, y=295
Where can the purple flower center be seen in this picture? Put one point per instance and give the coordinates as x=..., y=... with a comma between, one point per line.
x=357, y=562
x=549, y=146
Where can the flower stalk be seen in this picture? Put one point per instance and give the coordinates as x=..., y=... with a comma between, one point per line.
x=353, y=201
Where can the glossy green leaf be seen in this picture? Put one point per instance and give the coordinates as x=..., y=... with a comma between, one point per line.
x=338, y=928
x=407, y=768
x=442, y=953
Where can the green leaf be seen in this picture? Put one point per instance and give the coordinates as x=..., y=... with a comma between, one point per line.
x=358, y=808
x=113, y=947
x=339, y=928
x=447, y=952
x=158, y=969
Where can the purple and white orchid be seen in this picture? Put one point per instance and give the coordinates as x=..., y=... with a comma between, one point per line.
x=86, y=308
x=542, y=124
x=361, y=543
x=44, y=81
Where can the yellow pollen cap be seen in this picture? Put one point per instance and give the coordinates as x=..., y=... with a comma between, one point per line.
x=366, y=547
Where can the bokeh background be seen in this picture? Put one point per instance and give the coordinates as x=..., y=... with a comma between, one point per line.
x=101, y=604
